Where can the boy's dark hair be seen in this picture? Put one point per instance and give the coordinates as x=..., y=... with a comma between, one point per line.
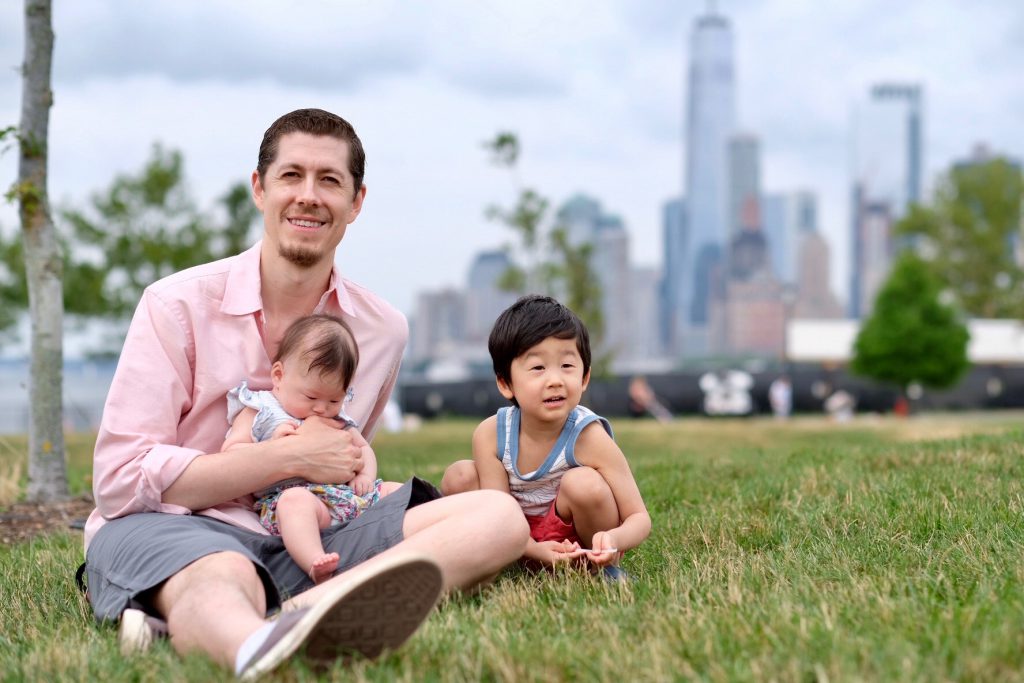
x=329, y=344
x=313, y=122
x=528, y=322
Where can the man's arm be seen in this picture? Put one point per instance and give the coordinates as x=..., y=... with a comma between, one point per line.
x=142, y=461
x=369, y=426
x=320, y=450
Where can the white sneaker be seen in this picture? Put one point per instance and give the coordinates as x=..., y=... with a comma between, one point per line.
x=364, y=615
x=138, y=630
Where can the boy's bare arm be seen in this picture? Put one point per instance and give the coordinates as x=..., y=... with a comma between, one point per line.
x=241, y=429
x=489, y=469
x=492, y=475
x=596, y=449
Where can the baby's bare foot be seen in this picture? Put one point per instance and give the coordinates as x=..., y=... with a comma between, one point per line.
x=323, y=567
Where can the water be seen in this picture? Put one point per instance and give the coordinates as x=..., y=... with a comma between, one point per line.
x=85, y=390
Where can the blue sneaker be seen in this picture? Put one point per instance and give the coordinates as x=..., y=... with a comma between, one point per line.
x=614, y=574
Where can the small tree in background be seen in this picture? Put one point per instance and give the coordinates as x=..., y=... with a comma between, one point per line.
x=911, y=335
x=969, y=234
x=550, y=262
x=144, y=226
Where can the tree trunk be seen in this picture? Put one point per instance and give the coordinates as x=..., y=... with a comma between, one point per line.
x=47, y=473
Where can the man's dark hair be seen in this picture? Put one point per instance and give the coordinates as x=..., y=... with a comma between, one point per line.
x=313, y=122
x=528, y=322
x=326, y=343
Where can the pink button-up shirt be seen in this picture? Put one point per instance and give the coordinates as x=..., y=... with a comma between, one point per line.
x=193, y=337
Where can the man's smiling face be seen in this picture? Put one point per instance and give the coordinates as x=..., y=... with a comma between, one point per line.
x=307, y=197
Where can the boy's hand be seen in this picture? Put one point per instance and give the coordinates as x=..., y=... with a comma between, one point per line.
x=361, y=484
x=603, y=549
x=552, y=552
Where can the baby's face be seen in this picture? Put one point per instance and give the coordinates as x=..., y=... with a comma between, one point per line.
x=303, y=393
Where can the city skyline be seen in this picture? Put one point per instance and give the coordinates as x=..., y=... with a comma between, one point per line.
x=590, y=119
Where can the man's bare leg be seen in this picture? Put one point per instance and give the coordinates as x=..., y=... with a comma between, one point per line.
x=213, y=605
x=216, y=605
x=471, y=536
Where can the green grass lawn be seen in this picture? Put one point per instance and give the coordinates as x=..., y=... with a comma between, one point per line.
x=879, y=550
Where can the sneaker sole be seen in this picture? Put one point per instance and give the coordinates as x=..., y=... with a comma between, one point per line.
x=364, y=617
x=133, y=634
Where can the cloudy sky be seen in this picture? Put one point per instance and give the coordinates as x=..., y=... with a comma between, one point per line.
x=595, y=91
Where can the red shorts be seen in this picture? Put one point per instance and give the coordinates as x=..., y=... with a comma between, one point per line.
x=551, y=527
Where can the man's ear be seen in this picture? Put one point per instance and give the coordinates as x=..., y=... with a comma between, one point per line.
x=257, y=190
x=357, y=204
x=504, y=388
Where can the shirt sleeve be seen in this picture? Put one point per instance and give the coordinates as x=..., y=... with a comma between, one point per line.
x=137, y=457
x=370, y=428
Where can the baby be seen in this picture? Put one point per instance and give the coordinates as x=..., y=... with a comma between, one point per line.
x=311, y=374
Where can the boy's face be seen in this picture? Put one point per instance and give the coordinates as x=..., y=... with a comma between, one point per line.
x=302, y=393
x=547, y=380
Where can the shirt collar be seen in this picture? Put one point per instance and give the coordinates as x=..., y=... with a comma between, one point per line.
x=242, y=290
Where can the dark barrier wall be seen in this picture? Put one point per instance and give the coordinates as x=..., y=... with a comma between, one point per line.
x=983, y=387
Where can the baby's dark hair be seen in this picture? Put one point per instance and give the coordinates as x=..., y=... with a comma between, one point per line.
x=528, y=322
x=324, y=341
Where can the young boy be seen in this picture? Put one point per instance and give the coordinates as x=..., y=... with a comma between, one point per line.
x=554, y=456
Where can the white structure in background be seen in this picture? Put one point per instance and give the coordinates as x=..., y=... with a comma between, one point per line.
x=995, y=342
x=727, y=392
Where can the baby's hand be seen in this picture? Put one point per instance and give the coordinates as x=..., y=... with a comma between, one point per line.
x=361, y=484
x=284, y=429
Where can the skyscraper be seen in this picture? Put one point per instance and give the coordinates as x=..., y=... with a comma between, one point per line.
x=439, y=324
x=814, y=290
x=586, y=222
x=744, y=178
x=786, y=217
x=887, y=168
x=485, y=300
x=675, y=240
x=709, y=126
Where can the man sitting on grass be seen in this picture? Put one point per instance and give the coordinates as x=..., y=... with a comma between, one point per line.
x=174, y=536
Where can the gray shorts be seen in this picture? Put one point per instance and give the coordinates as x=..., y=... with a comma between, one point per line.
x=130, y=557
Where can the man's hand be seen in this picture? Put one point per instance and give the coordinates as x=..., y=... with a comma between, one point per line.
x=325, y=451
x=552, y=552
